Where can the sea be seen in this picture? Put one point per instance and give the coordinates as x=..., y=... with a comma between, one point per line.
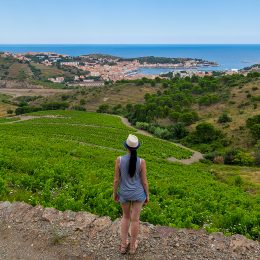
x=228, y=56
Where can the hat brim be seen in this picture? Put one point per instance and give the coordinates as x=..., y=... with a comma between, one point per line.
x=131, y=148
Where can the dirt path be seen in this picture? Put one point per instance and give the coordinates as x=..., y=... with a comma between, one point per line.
x=196, y=156
x=29, y=233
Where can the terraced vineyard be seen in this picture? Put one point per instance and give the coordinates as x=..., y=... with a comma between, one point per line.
x=66, y=161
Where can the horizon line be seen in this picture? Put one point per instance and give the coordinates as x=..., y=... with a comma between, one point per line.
x=130, y=43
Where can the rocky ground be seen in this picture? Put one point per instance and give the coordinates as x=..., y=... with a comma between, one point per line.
x=28, y=232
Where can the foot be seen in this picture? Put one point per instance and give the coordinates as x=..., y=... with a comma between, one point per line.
x=133, y=248
x=124, y=247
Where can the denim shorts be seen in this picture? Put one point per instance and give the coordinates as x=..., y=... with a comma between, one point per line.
x=123, y=200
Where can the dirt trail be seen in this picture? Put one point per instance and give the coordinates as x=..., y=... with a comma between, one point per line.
x=196, y=156
x=28, y=232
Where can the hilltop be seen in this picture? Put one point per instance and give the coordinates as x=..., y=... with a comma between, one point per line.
x=45, y=233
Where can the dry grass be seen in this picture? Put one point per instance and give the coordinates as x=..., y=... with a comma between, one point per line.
x=119, y=94
x=15, y=69
x=235, y=130
x=32, y=92
x=49, y=72
x=4, y=107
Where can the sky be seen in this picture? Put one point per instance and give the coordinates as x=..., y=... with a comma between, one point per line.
x=129, y=21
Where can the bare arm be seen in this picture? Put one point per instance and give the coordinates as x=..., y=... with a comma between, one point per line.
x=144, y=179
x=116, y=179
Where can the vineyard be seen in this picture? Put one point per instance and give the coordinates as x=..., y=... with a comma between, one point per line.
x=66, y=161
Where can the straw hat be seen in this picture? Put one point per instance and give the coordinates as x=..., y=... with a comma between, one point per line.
x=132, y=142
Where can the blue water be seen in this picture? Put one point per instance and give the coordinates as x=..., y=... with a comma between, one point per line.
x=228, y=56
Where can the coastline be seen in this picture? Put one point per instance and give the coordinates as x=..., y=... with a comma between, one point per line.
x=229, y=56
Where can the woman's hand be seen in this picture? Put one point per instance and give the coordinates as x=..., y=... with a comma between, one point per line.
x=116, y=197
x=146, y=200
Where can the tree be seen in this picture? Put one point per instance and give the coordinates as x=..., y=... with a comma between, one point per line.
x=206, y=133
x=179, y=131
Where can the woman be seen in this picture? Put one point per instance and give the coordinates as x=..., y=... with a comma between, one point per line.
x=130, y=177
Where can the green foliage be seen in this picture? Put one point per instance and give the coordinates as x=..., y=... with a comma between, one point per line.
x=187, y=118
x=26, y=109
x=162, y=133
x=237, y=156
x=257, y=153
x=142, y=125
x=224, y=118
x=104, y=108
x=255, y=130
x=179, y=131
x=55, y=105
x=37, y=74
x=82, y=102
x=208, y=100
x=206, y=133
x=205, y=138
x=79, y=108
x=73, y=169
x=253, y=123
x=243, y=158
x=3, y=189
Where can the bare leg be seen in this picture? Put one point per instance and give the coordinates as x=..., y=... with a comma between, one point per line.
x=125, y=222
x=135, y=216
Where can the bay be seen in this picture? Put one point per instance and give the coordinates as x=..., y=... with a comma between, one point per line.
x=228, y=56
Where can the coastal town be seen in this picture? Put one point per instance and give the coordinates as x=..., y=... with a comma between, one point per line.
x=96, y=68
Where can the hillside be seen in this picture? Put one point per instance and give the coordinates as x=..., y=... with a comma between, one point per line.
x=45, y=233
x=65, y=159
x=172, y=109
x=239, y=107
x=23, y=74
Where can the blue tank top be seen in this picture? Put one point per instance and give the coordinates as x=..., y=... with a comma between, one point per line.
x=131, y=188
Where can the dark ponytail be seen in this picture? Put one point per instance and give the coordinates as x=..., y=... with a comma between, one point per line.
x=132, y=163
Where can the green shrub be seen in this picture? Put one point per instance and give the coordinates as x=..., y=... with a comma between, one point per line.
x=253, y=123
x=79, y=108
x=206, y=133
x=55, y=105
x=104, y=108
x=238, y=157
x=142, y=125
x=162, y=133
x=256, y=131
x=224, y=118
x=26, y=109
x=178, y=131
